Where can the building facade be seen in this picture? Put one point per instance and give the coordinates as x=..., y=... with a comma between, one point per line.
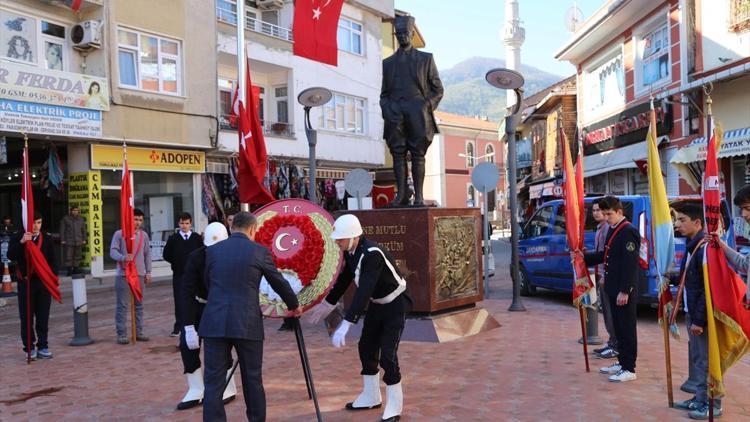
x=82, y=84
x=463, y=143
x=678, y=52
x=627, y=53
x=349, y=127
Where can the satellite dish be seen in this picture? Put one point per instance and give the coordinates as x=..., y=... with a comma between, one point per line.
x=573, y=18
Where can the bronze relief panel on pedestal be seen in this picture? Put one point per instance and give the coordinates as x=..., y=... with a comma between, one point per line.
x=456, y=266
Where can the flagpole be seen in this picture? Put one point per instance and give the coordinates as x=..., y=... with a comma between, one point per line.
x=585, y=340
x=241, y=69
x=28, y=275
x=665, y=318
x=132, y=296
x=709, y=133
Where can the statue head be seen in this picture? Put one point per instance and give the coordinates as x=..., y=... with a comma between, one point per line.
x=404, y=30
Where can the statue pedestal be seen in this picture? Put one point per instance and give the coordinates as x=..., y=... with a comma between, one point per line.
x=439, y=252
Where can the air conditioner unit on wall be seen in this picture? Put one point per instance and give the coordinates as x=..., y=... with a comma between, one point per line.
x=86, y=35
x=269, y=4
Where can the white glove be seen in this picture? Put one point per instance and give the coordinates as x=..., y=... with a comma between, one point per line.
x=191, y=337
x=339, y=336
x=320, y=311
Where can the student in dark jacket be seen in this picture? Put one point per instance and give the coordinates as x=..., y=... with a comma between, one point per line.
x=689, y=222
x=621, y=271
x=39, y=297
x=176, y=252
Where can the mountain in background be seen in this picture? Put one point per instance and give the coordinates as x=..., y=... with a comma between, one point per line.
x=468, y=94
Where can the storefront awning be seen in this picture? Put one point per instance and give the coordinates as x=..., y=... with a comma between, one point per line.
x=736, y=142
x=616, y=159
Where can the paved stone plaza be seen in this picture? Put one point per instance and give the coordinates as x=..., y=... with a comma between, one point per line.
x=529, y=369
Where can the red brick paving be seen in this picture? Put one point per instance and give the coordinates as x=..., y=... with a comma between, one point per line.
x=530, y=369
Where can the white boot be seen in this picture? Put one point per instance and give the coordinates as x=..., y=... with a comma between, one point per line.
x=231, y=391
x=194, y=395
x=369, y=398
x=394, y=402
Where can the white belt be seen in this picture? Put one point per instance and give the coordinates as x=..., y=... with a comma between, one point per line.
x=401, y=282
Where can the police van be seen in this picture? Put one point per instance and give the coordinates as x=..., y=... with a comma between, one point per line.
x=545, y=258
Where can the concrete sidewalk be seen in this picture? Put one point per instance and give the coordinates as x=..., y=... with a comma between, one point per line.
x=530, y=369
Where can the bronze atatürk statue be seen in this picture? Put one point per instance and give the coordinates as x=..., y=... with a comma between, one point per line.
x=411, y=92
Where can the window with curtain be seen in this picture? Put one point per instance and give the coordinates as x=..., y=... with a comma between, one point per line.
x=344, y=113
x=349, y=36
x=149, y=62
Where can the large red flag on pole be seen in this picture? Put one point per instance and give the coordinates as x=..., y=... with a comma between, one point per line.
x=253, y=157
x=573, y=200
x=574, y=220
x=315, y=28
x=36, y=263
x=128, y=227
x=728, y=317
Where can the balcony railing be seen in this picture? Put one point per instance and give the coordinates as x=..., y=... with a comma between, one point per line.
x=253, y=24
x=739, y=16
x=280, y=129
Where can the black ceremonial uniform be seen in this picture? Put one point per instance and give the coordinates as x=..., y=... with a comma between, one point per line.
x=382, y=290
x=621, y=270
x=191, y=300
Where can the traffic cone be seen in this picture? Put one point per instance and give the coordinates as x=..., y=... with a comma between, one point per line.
x=7, y=286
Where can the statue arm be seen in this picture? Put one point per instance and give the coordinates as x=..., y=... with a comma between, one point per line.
x=435, y=86
x=383, y=89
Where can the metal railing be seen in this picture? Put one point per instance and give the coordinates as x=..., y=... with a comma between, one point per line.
x=739, y=15
x=253, y=24
x=280, y=129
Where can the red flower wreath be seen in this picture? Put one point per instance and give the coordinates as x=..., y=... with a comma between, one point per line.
x=306, y=262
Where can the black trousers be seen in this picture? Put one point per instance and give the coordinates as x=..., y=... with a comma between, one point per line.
x=217, y=362
x=624, y=319
x=191, y=359
x=176, y=277
x=40, y=303
x=406, y=127
x=381, y=335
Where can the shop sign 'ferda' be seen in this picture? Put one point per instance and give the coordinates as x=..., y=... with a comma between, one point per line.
x=34, y=85
x=109, y=157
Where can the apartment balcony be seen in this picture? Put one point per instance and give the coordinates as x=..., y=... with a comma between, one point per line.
x=276, y=129
x=252, y=23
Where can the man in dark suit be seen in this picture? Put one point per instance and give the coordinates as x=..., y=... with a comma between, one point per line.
x=176, y=251
x=38, y=296
x=621, y=271
x=410, y=93
x=232, y=316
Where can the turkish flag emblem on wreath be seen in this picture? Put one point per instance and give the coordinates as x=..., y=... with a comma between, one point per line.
x=298, y=233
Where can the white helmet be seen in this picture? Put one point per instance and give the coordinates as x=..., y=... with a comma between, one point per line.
x=346, y=227
x=215, y=233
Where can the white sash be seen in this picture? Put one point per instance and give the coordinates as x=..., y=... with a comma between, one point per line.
x=401, y=282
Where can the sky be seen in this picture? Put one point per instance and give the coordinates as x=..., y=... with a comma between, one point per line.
x=455, y=31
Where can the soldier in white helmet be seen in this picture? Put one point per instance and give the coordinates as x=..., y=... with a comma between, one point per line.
x=382, y=289
x=191, y=301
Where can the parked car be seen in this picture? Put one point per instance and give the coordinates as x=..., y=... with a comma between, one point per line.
x=544, y=255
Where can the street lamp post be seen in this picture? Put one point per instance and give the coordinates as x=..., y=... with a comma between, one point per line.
x=309, y=98
x=509, y=79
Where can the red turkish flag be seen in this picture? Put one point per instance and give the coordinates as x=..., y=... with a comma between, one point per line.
x=383, y=195
x=253, y=157
x=36, y=263
x=315, y=26
x=127, y=225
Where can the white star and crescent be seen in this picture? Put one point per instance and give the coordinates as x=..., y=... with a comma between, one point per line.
x=317, y=11
x=278, y=242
